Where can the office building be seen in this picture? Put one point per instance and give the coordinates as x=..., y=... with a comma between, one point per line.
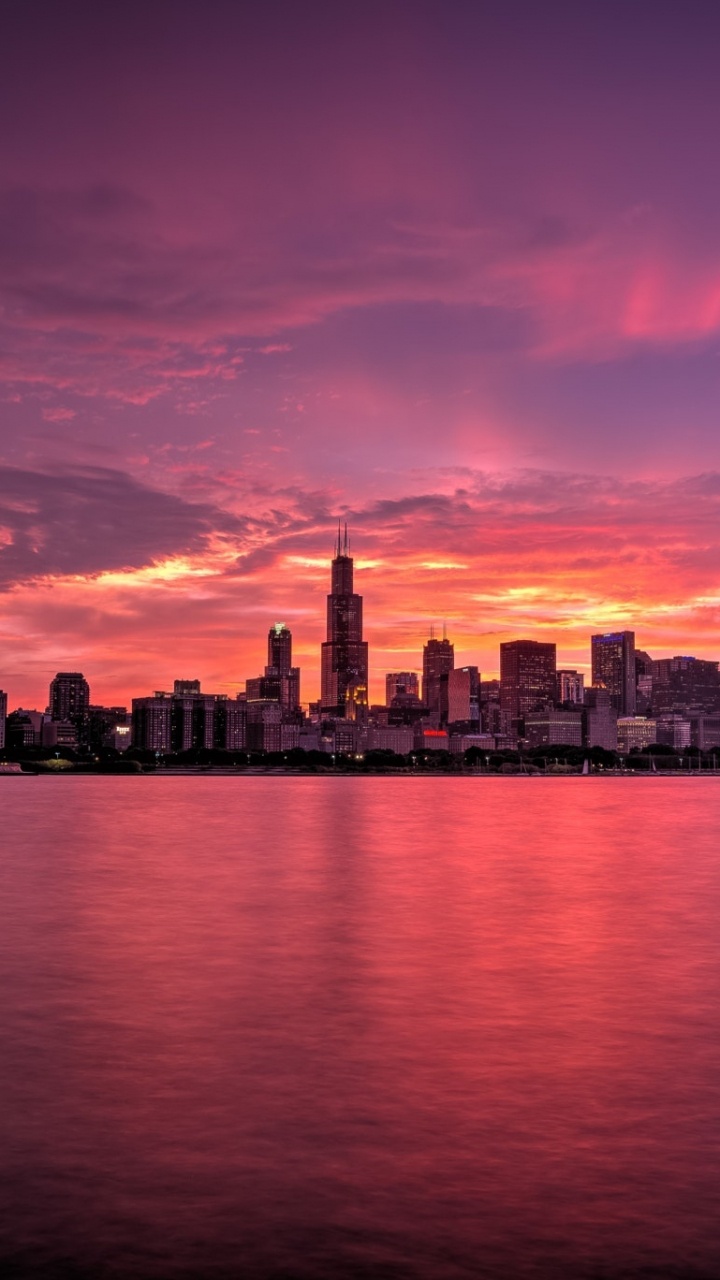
x=3, y=717
x=401, y=688
x=635, y=731
x=438, y=661
x=570, y=687
x=613, y=668
x=463, y=697
x=705, y=732
x=399, y=738
x=600, y=720
x=554, y=728
x=683, y=682
x=280, y=667
x=528, y=677
x=674, y=730
x=344, y=661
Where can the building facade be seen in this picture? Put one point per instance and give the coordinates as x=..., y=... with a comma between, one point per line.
x=553, y=728
x=463, y=697
x=69, y=702
x=613, y=668
x=635, y=731
x=600, y=720
x=528, y=677
x=570, y=687
x=403, y=686
x=344, y=656
x=438, y=661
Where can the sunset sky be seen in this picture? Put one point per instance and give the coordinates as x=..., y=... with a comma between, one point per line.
x=448, y=271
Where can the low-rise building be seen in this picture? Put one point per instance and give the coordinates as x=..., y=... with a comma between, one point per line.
x=635, y=731
x=552, y=728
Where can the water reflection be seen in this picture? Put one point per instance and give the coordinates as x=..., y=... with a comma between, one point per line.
x=367, y=1027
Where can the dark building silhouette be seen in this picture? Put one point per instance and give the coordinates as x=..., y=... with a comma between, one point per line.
x=570, y=686
x=152, y=723
x=188, y=719
x=463, y=695
x=280, y=668
x=528, y=677
x=69, y=702
x=613, y=668
x=402, y=685
x=683, y=682
x=344, y=673
x=600, y=719
x=280, y=648
x=643, y=681
x=438, y=661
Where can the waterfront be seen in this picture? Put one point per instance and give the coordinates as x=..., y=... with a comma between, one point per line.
x=361, y=1027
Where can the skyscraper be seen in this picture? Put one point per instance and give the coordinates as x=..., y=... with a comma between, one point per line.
x=463, y=688
x=613, y=668
x=280, y=648
x=279, y=666
x=69, y=701
x=528, y=676
x=344, y=673
x=438, y=660
x=403, y=685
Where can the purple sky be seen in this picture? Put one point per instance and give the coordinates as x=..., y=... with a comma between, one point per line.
x=452, y=271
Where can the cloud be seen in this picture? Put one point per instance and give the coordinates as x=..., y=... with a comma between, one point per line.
x=137, y=586
x=88, y=521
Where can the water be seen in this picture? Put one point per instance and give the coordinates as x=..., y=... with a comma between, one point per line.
x=367, y=1027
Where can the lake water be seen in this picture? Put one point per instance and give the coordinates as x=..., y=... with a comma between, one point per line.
x=407, y=1027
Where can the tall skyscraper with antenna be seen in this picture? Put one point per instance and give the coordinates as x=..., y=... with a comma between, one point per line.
x=344, y=672
x=438, y=660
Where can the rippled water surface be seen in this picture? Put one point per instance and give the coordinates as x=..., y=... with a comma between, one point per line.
x=363, y=1027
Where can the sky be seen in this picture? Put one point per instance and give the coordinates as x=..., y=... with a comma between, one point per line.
x=447, y=271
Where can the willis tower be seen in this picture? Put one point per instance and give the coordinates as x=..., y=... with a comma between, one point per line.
x=344, y=680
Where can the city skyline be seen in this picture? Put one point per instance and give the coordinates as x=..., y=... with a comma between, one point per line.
x=344, y=663
x=448, y=274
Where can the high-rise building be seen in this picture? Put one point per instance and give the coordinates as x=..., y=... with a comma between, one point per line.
x=528, y=676
x=230, y=723
x=279, y=667
x=570, y=686
x=683, y=682
x=613, y=668
x=344, y=672
x=69, y=702
x=3, y=717
x=402, y=685
x=600, y=720
x=280, y=648
x=463, y=694
x=193, y=716
x=643, y=681
x=438, y=660
x=152, y=723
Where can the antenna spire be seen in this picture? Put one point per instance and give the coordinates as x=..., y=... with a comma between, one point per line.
x=345, y=547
